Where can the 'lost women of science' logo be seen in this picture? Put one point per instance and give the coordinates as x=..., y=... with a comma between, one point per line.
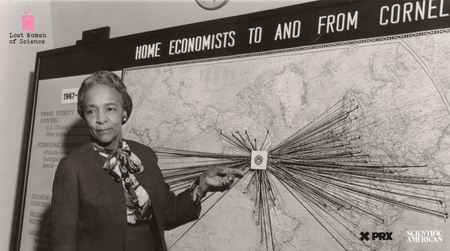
x=29, y=38
x=424, y=236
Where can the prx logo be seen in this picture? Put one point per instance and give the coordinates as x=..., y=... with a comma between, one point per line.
x=384, y=236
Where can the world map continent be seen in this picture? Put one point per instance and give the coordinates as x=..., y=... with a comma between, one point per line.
x=401, y=89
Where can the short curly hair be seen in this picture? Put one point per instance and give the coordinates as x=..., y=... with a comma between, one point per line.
x=109, y=79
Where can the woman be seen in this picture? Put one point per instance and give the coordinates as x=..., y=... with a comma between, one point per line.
x=109, y=194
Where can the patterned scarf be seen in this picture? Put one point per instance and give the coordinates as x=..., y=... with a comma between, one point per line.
x=121, y=164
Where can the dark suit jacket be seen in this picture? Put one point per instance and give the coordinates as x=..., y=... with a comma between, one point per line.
x=88, y=206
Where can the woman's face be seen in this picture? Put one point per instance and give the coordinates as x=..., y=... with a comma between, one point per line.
x=104, y=113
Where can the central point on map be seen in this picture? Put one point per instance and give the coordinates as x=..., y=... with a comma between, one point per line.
x=259, y=160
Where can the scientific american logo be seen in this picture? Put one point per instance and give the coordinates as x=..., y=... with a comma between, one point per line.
x=424, y=236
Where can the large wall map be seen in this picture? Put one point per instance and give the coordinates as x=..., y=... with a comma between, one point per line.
x=400, y=89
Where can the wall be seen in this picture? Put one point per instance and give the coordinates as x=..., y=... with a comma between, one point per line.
x=63, y=23
x=16, y=71
x=131, y=17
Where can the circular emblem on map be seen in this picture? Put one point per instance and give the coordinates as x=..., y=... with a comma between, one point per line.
x=258, y=160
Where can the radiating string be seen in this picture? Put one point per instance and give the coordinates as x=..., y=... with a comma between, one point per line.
x=324, y=167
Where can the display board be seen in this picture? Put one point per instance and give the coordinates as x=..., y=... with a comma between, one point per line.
x=348, y=99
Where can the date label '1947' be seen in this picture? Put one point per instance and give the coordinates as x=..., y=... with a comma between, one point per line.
x=69, y=96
